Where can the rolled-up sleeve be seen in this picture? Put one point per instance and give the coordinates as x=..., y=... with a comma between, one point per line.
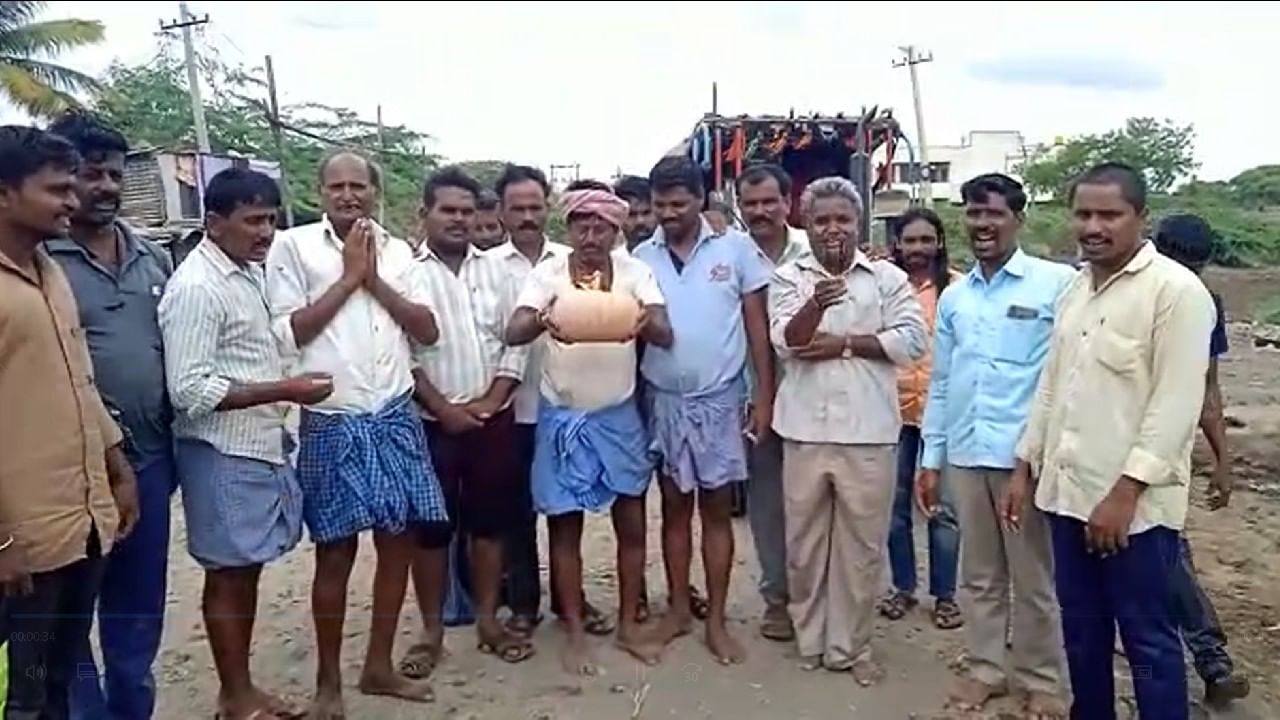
x=286, y=291
x=1184, y=318
x=903, y=338
x=190, y=319
x=785, y=300
x=514, y=358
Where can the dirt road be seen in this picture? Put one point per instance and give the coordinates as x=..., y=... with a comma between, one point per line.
x=1236, y=552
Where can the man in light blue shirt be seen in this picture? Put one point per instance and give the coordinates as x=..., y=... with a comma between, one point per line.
x=714, y=285
x=992, y=336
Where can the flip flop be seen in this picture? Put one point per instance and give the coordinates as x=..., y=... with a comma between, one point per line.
x=947, y=615
x=420, y=661
x=699, y=606
x=512, y=649
x=596, y=622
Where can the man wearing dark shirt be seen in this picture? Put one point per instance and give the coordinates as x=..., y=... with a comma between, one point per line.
x=1189, y=240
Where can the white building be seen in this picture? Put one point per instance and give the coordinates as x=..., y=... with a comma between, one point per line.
x=982, y=151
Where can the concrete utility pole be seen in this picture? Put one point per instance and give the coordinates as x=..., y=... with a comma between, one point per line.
x=185, y=22
x=910, y=59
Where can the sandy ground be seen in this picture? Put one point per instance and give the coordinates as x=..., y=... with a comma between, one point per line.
x=1236, y=552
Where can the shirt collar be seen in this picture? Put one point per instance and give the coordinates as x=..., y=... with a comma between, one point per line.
x=797, y=245
x=705, y=232
x=131, y=245
x=330, y=234
x=508, y=249
x=860, y=260
x=1016, y=265
x=1140, y=261
x=218, y=258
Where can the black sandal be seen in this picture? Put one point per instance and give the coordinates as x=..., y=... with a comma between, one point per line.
x=947, y=615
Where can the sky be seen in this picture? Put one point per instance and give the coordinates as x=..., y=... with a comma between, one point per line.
x=614, y=85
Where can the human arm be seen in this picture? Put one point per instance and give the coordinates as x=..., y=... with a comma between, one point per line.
x=513, y=358
x=900, y=340
x=124, y=489
x=655, y=325
x=453, y=418
x=191, y=317
x=410, y=310
x=755, y=317
x=296, y=321
x=532, y=303
x=933, y=426
x=1214, y=426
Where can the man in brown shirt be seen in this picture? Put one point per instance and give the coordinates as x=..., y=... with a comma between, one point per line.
x=66, y=489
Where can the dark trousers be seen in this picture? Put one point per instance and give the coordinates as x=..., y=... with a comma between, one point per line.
x=1201, y=630
x=1130, y=589
x=522, y=589
x=131, y=607
x=943, y=534
x=47, y=629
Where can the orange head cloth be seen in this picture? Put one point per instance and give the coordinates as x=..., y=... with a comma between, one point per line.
x=609, y=207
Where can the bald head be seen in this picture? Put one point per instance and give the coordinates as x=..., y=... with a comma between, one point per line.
x=349, y=186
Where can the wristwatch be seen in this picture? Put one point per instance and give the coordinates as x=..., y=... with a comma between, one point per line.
x=846, y=351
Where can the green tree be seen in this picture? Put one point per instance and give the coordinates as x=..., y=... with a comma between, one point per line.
x=28, y=76
x=1164, y=151
x=486, y=172
x=150, y=105
x=1257, y=187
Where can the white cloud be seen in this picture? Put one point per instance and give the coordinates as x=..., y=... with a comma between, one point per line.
x=613, y=85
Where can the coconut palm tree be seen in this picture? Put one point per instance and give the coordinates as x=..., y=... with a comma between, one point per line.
x=28, y=77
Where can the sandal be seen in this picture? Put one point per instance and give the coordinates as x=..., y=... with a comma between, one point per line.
x=947, y=615
x=896, y=605
x=420, y=661
x=698, y=604
x=511, y=649
x=596, y=622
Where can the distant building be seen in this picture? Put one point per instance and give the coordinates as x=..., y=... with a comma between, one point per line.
x=982, y=151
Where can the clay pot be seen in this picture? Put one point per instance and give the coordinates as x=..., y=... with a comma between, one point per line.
x=595, y=315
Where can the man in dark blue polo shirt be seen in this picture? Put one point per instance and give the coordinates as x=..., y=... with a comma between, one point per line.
x=118, y=279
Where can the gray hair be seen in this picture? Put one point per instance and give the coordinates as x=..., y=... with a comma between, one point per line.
x=830, y=187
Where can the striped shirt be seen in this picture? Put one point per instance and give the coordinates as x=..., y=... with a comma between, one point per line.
x=363, y=348
x=519, y=267
x=472, y=310
x=217, y=333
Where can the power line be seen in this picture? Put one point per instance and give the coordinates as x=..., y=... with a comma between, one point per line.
x=910, y=59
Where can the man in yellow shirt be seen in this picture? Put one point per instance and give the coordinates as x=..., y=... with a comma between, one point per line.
x=1110, y=440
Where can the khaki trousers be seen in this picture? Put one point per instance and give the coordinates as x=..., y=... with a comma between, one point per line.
x=837, y=500
x=992, y=560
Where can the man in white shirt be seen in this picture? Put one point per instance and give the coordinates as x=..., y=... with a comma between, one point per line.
x=465, y=387
x=349, y=299
x=592, y=448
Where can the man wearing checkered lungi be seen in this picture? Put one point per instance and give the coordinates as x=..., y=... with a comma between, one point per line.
x=350, y=300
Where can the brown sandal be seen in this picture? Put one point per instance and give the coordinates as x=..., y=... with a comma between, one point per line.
x=698, y=604
x=896, y=605
x=947, y=615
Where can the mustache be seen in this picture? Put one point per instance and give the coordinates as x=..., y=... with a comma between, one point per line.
x=527, y=225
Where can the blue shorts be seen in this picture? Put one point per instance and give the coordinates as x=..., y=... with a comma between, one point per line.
x=699, y=439
x=240, y=511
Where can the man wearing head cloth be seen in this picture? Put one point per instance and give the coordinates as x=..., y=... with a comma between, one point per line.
x=591, y=446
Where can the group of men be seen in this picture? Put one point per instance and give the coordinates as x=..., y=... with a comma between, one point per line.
x=436, y=402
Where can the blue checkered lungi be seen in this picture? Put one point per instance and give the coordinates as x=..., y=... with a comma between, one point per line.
x=366, y=471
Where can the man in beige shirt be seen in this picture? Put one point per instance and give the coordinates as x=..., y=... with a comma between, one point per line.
x=67, y=492
x=1109, y=440
x=840, y=324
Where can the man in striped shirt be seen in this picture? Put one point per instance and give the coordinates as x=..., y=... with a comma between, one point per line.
x=464, y=387
x=226, y=379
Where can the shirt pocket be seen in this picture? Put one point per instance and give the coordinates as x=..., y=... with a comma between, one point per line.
x=1115, y=352
x=1019, y=340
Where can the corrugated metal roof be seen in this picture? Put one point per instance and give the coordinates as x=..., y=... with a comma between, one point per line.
x=142, y=199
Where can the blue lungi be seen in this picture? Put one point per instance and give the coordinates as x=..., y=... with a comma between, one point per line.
x=699, y=438
x=367, y=471
x=240, y=511
x=583, y=460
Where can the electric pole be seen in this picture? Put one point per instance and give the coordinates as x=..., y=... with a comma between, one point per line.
x=185, y=22
x=273, y=106
x=910, y=59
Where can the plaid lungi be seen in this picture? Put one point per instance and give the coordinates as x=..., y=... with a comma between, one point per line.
x=367, y=471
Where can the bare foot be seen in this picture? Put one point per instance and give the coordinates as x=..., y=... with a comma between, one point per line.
x=867, y=672
x=392, y=684
x=671, y=626
x=971, y=695
x=276, y=706
x=327, y=705
x=634, y=643
x=723, y=646
x=577, y=658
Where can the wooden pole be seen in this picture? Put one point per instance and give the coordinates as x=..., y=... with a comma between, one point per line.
x=274, y=105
